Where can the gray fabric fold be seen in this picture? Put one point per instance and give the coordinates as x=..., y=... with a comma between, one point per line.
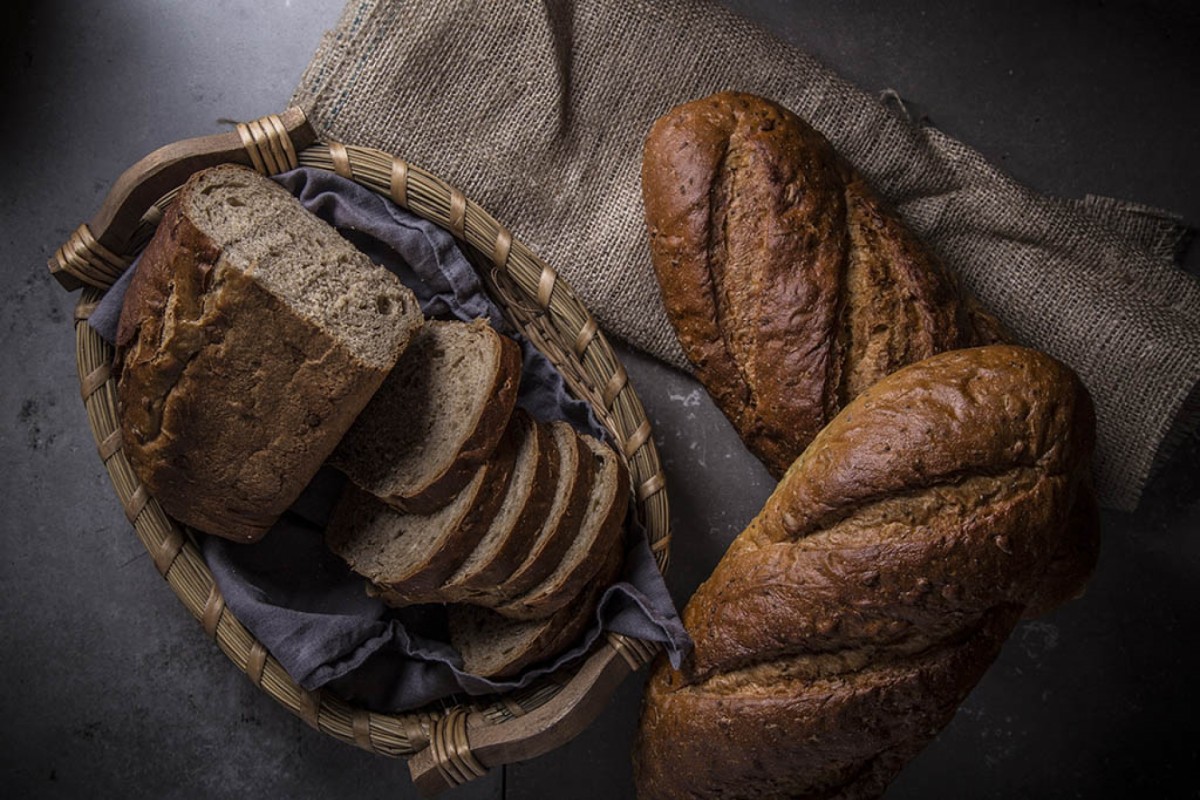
x=538, y=111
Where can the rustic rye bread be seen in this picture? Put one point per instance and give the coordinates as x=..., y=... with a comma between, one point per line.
x=251, y=336
x=436, y=418
x=523, y=513
x=791, y=286
x=598, y=536
x=562, y=523
x=407, y=556
x=493, y=646
x=849, y=619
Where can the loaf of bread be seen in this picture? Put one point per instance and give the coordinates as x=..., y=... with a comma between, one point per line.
x=524, y=550
x=846, y=623
x=790, y=285
x=250, y=338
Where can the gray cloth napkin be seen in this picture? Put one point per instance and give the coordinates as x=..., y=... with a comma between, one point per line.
x=538, y=112
x=302, y=602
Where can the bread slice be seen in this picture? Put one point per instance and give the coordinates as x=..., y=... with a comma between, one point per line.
x=566, y=513
x=598, y=535
x=523, y=513
x=436, y=418
x=408, y=556
x=493, y=646
x=251, y=336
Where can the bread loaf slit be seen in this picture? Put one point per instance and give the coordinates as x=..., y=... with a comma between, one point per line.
x=718, y=264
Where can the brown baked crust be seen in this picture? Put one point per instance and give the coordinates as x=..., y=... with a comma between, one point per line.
x=936, y=508
x=224, y=425
x=790, y=285
x=835, y=735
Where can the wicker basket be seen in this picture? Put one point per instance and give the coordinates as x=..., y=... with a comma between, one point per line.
x=461, y=739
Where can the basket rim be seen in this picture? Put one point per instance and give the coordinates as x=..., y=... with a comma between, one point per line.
x=542, y=306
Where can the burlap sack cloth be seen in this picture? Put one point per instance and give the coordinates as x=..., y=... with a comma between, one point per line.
x=538, y=111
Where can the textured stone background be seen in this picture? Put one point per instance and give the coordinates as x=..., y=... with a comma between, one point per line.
x=108, y=688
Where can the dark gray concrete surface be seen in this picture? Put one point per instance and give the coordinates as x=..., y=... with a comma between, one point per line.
x=109, y=689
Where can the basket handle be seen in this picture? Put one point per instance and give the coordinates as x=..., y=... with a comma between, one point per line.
x=464, y=746
x=96, y=253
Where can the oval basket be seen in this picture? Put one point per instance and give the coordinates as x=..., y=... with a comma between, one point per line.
x=463, y=737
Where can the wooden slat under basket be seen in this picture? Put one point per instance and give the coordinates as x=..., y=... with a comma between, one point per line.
x=459, y=740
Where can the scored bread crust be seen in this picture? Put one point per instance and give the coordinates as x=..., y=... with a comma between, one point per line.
x=230, y=397
x=384, y=415
x=360, y=521
x=598, y=535
x=790, y=285
x=884, y=572
x=510, y=545
x=828, y=736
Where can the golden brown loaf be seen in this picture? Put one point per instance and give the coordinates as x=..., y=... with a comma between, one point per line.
x=251, y=336
x=789, y=284
x=847, y=622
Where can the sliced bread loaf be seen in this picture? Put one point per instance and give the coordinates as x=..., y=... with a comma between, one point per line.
x=523, y=513
x=251, y=336
x=493, y=646
x=408, y=556
x=436, y=418
x=562, y=523
x=599, y=534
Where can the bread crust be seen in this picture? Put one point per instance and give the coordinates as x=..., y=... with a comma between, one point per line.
x=226, y=425
x=791, y=287
x=917, y=527
x=839, y=735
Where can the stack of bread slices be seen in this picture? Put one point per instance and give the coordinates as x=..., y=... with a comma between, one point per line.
x=457, y=496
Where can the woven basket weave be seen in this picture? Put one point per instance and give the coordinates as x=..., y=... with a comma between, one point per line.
x=462, y=738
